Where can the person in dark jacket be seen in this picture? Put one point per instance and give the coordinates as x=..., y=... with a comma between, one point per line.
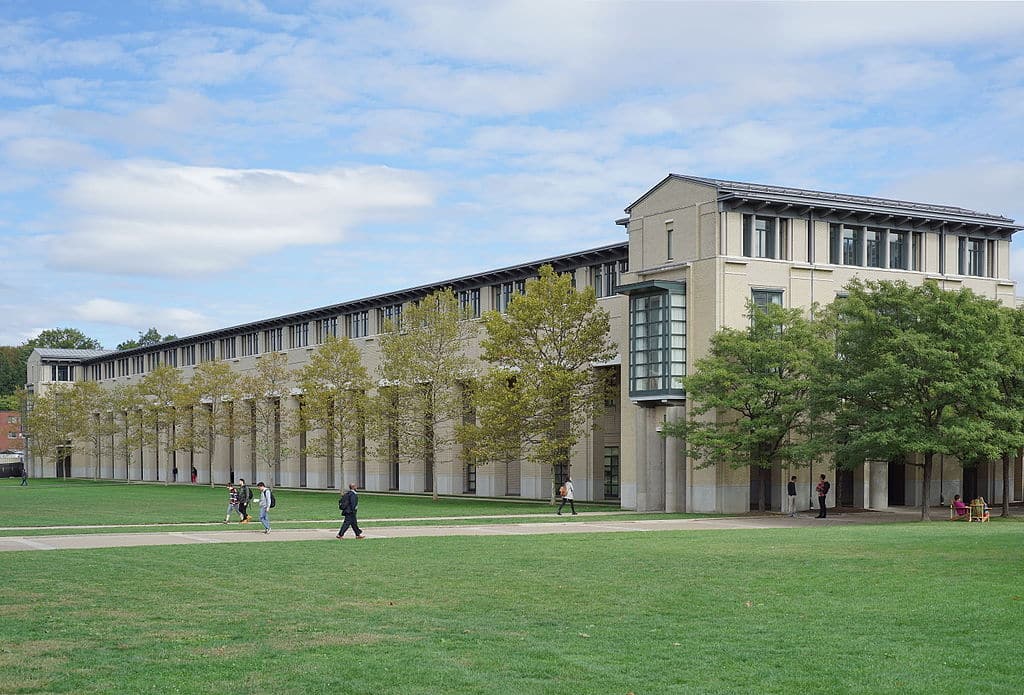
x=348, y=504
x=244, y=499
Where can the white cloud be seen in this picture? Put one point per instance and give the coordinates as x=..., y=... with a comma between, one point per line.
x=166, y=219
x=138, y=317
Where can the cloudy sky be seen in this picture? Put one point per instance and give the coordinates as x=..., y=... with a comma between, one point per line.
x=190, y=165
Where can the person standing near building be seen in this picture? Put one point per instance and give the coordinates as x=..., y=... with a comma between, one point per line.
x=791, y=496
x=348, y=504
x=264, y=506
x=568, y=495
x=24, y=474
x=822, y=488
x=195, y=474
x=244, y=500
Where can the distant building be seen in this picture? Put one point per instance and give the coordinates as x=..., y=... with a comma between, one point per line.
x=11, y=438
x=697, y=251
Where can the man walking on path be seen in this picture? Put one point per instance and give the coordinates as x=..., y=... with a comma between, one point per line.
x=24, y=474
x=348, y=504
x=244, y=499
x=264, y=506
x=791, y=496
x=568, y=495
x=822, y=488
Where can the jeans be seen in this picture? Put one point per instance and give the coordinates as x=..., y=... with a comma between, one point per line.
x=265, y=517
x=821, y=504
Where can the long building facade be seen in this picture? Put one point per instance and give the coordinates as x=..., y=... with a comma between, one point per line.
x=697, y=251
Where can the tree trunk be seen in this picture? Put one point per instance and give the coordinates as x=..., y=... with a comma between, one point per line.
x=1006, y=484
x=926, y=484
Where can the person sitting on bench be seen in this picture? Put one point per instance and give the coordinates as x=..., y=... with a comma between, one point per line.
x=959, y=509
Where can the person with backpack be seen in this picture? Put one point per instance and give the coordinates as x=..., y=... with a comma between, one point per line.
x=568, y=495
x=823, y=487
x=348, y=504
x=244, y=500
x=266, y=502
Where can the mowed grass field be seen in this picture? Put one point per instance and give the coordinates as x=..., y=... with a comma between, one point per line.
x=896, y=608
x=55, y=502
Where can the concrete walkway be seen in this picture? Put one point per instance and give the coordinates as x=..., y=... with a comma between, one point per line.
x=584, y=523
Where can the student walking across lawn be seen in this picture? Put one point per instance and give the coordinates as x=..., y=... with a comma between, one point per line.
x=348, y=504
x=265, y=497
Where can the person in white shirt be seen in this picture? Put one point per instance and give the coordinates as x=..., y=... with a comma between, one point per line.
x=264, y=506
x=567, y=496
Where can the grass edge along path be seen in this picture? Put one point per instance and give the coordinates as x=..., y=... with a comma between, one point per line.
x=886, y=608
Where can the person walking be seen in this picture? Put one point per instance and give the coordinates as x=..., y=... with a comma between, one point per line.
x=174, y=474
x=568, y=495
x=264, y=506
x=244, y=500
x=195, y=474
x=232, y=503
x=24, y=474
x=791, y=496
x=822, y=488
x=348, y=504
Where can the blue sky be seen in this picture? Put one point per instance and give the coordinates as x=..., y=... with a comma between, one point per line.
x=191, y=165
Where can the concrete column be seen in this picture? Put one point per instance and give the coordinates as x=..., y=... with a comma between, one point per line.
x=640, y=429
x=876, y=473
x=675, y=466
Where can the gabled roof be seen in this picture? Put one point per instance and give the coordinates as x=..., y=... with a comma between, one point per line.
x=70, y=354
x=799, y=197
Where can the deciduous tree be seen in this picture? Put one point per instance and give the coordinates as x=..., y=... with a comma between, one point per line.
x=756, y=385
x=545, y=390
x=335, y=385
x=425, y=367
x=916, y=369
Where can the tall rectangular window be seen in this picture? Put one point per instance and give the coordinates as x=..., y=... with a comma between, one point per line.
x=760, y=237
x=972, y=256
x=228, y=348
x=298, y=335
x=273, y=339
x=326, y=328
x=389, y=317
x=62, y=372
x=152, y=361
x=469, y=303
x=207, y=351
x=874, y=249
x=250, y=344
x=611, y=472
x=171, y=357
x=668, y=243
x=357, y=324
x=657, y=343
x=604, y=279
x=898, y=250
x=188, y=355
x=917, y=251
x=504, y=292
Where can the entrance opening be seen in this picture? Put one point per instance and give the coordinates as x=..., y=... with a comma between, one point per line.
x=844, y=487
x=760, y=488
x=897, y=484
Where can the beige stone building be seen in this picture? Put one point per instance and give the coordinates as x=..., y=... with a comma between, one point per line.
x=698, y=249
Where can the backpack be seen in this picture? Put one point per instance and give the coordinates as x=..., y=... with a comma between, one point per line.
x=561, y=491
x=273, y=500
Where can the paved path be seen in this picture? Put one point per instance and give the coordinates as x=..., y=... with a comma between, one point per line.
x=598, y=524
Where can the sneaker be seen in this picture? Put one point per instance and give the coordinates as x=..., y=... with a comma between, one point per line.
x=558, y=513
x=574, y=513
x=266, y=530
x=360, y=536
x=339, y=536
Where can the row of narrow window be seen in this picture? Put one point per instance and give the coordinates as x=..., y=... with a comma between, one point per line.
x=604, y=279
x=871, y=247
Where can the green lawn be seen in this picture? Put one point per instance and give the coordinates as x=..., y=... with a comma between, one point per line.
x=48, y=502
x=898, y=608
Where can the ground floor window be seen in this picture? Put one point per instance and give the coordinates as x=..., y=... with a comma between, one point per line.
x=611, y=472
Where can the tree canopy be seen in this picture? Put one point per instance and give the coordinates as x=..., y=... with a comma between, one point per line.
x=70, y=338
x=756, y=384
x=150, y=337
x=544, y=388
